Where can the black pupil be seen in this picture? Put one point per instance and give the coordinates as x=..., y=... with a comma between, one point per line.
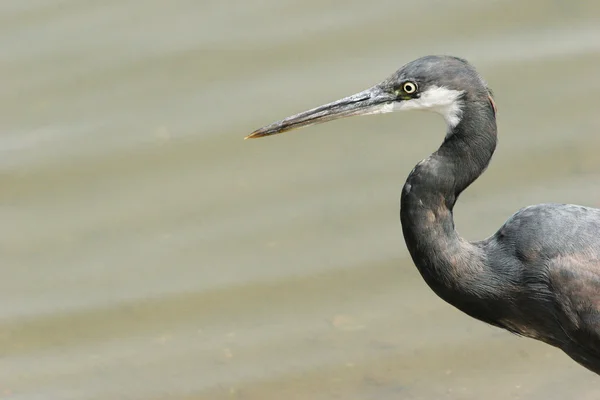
x=408, y=88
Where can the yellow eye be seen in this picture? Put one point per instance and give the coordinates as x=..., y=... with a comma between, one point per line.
x=409, y=87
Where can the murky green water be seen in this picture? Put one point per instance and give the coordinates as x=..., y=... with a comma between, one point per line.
x=148, y=252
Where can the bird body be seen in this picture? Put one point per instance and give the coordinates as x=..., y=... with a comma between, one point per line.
x=539, y=275
x=550, y=256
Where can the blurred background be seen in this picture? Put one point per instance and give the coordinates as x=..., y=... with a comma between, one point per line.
x=148, y=252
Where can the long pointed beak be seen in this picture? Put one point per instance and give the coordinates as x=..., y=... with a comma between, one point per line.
x=371, y=101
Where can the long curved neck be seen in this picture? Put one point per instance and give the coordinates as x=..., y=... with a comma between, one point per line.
x=444, y=259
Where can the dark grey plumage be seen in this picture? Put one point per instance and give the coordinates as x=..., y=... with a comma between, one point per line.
x=539, y=275
x=550, y=255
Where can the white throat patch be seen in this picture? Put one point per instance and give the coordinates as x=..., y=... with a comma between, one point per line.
x=438, y=99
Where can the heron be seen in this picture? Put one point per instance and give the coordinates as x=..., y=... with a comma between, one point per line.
x=538, y=276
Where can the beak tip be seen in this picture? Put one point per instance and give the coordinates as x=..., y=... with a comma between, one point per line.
x=262, y=132
x=253, y=135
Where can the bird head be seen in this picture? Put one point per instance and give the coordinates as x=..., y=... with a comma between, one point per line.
x=442, y=84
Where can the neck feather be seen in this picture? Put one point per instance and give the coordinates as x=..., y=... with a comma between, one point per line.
x=444, y=258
